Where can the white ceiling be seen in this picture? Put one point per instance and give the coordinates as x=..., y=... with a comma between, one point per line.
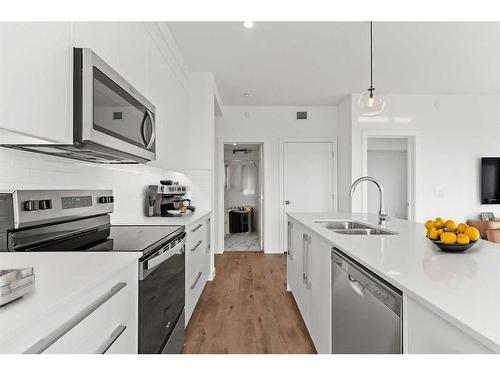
x=318, y=63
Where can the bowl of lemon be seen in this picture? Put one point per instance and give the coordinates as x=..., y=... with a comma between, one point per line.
x=451, y=237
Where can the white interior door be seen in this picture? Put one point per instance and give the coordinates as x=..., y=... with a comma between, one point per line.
x=308, y=177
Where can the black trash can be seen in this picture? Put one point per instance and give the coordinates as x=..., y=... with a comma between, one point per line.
x=240, y=220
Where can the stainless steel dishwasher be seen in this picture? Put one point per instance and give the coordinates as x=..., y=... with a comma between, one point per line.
x=366, y=310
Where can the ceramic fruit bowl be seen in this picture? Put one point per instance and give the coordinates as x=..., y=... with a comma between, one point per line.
x=455, y=247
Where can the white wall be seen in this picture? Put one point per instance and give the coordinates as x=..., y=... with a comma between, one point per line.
x=344, y=151
x=453, y=132
x=271, y=125
x=25, y=170
x=390, y=168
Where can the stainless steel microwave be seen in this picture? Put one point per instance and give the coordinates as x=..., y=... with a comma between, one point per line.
x=112, y=122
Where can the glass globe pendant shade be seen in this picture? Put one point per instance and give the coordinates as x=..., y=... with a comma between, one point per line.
x=370, y=104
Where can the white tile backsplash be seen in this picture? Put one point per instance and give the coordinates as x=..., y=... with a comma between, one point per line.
x=24, y=170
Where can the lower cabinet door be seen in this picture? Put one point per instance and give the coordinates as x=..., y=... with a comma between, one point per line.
x=318, y=294
x=296, y=268
x=427, y=333
x=110, y=328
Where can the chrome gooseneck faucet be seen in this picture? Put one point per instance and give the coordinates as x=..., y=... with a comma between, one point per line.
x=382, y=214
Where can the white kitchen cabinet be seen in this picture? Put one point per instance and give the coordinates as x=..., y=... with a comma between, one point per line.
x=170, y=98
x=425, y=332
x=296, y=267
x=102, y=37
x=202, y=121
x=82, y=303
x=319, y=296
x=36, y=78
x=198, y=262
x=36, y=70
x=308, y=271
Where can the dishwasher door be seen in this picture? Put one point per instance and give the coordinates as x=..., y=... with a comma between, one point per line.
x=366, y=311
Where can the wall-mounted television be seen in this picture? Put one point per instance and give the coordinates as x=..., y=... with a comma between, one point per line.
x=490, y=180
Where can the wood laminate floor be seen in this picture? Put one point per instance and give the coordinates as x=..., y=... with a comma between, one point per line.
x=247, y=309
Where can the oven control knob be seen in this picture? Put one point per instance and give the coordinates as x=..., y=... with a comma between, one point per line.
x=107, y=199
x=45, y=204
x=30, y=206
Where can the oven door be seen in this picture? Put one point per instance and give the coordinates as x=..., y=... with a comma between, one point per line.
x=109, y=111
x=162, y=298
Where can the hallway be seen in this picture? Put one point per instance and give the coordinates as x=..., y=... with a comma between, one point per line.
x=247, y=309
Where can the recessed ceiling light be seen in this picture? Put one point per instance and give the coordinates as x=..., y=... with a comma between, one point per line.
x=246, y=94
x=248, y=24
x=235, y=144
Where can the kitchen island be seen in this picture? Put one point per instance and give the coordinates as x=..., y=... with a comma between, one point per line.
x=451, y=301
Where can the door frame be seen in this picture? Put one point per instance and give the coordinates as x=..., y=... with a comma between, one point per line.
x=221, y=175
x=411, y=142
x=333, y=141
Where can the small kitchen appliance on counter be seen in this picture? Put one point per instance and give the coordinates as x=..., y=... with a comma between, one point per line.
x=79, y=220
x=167, y=199
x=15, y=283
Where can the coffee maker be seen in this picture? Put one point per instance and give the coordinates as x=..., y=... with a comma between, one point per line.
x=167, y=199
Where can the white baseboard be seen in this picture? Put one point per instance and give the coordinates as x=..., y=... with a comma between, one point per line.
x=211, y=277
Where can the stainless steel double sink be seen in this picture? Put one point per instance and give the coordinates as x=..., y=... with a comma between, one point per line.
x=353, y=228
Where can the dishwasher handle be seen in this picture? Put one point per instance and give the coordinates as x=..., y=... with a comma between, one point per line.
x=361, y=280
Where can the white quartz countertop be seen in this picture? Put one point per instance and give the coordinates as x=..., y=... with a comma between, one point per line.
x=463, y=288
x=161, y=220
x=59, y=279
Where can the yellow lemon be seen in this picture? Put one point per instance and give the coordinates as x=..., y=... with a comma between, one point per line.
x=473, y=233
x=439, y=223
x=433, y=233
x=429, y=224
x=462, y=227
x=450, y=226
x=463, y=239
x=448, y=238
x=440, y=231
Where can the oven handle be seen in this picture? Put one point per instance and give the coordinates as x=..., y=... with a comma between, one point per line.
x=153, y=262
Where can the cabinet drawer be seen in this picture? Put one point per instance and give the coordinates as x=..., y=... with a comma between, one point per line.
x=106, y=321
x=194, y=288
x=195, y=232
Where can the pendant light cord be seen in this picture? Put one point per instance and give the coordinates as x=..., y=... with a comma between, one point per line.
x=371, y=55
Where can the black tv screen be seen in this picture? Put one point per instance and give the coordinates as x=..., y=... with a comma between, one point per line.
x=490, y=180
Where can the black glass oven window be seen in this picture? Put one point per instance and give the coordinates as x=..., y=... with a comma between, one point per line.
x=119, y=114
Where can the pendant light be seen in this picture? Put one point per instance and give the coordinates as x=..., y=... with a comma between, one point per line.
x=370, y=104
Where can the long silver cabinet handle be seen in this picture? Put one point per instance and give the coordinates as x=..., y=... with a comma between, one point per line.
x=308, y=261
x=110, y=340
x=43, y=344
x=196, y=246
x=289, y=244
x=304, y=240
x=197, y=279
x=197, y=227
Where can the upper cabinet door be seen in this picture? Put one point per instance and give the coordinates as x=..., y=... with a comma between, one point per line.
x=122, y=45
x=102, y=38
x=36, y=80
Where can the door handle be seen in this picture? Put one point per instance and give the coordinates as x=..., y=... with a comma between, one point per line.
x=287, y=202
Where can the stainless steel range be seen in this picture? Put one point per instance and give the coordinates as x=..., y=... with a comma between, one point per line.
x=79, y=220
